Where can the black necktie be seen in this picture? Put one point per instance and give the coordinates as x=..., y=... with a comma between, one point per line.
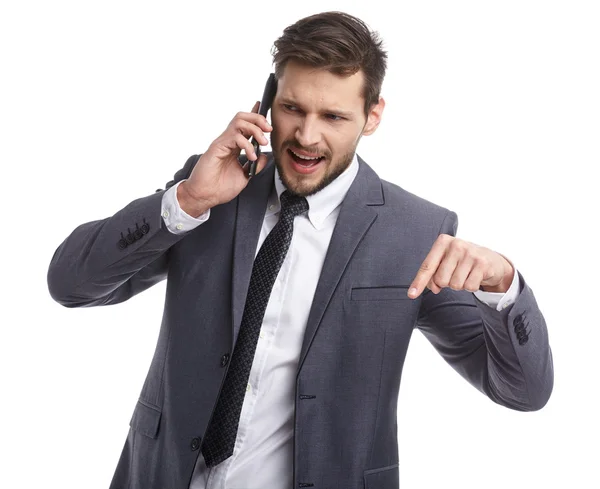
x=220, y=436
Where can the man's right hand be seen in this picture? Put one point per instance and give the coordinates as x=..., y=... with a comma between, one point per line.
x=218, y=177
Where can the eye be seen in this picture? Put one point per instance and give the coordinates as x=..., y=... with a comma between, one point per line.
x=330, y=116
x=290, y=107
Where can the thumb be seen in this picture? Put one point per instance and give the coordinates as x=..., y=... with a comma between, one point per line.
x=255, y=107
x=262, y=162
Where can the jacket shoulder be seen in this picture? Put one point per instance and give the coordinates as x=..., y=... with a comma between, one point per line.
x=400, y=199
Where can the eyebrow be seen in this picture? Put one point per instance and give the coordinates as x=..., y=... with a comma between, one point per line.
x=286, y=100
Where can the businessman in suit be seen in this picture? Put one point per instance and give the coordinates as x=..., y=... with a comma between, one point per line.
x=288, y=312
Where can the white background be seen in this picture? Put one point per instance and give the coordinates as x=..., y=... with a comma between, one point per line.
x=492, y=111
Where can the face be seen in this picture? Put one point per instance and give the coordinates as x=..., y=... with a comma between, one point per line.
x=316, y=113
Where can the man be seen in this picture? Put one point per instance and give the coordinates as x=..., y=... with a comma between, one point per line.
x=288, y=312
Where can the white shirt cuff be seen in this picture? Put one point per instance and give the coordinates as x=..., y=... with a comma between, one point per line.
x=176, y=219
x=499, y=300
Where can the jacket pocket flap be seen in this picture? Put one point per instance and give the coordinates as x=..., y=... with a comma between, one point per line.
x=383, y=478
x=145, y=420
x=379, y=293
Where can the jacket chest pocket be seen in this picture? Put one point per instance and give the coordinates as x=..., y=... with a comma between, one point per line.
x=384, y=293
x=387, y=307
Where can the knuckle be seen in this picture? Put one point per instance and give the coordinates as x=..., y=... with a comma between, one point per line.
x=232, y=127
x=481, y=261
x=239, y=124
x=441, y=281
x=470, y=287
x=459, y=245
x=455, y=285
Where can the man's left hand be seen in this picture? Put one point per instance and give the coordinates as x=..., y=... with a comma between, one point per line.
x=461, y=265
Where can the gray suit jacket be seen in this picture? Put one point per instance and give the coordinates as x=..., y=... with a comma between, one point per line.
x=356, y=339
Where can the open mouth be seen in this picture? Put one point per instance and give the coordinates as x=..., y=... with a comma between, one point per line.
x=304, y=162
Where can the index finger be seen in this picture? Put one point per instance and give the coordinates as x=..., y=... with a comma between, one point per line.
x=255, y=118
x=428, y=267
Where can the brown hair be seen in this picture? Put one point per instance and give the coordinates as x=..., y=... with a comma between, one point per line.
x=337, y=42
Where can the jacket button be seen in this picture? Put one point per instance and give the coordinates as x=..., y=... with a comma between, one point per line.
x=195, y=444
x=137, y=234
x=145, y=227
x=519, y=319
x=224, y=359
x=122, y=244
x=523, y=340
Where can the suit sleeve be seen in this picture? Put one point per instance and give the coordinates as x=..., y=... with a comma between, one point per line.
x=108, y=261
x=505, y=354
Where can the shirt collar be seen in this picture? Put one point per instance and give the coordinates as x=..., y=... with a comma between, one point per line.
x=324, y=202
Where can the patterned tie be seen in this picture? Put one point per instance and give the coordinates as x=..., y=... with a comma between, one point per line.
x=222, y=430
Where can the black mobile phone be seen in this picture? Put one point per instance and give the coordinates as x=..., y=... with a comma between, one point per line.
x=265, y=105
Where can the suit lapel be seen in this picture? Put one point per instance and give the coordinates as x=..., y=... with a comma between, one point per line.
x=355, y=218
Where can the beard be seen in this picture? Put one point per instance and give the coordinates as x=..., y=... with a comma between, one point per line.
x=305, y=185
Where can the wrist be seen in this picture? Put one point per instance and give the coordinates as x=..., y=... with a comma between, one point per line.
x=192, y=205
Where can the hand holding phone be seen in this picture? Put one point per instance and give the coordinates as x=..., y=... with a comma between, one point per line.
x=217, y=176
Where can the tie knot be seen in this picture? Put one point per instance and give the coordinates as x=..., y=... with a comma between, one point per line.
x=293, y=205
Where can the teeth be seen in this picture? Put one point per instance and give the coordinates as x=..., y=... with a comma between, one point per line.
x=304, y=157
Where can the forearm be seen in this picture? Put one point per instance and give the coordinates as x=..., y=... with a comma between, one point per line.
x=100, y=256
x=519, y=362
x=505, y=354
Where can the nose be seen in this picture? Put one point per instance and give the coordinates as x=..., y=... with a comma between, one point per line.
x=307, y=133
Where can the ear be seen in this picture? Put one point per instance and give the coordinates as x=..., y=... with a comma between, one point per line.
x=374, y=117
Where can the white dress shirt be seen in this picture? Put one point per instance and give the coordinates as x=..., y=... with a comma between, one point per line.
x=265, y=432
